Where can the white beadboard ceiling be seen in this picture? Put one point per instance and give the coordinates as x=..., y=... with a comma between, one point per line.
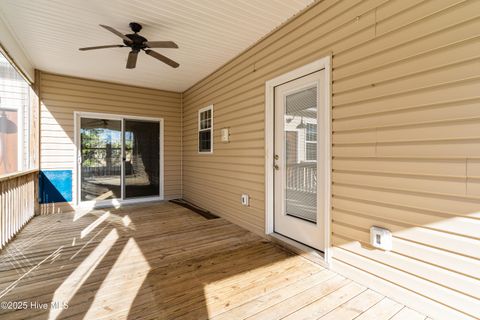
x=208, y=32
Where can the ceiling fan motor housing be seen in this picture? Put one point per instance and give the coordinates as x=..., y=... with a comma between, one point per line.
x=138, y=42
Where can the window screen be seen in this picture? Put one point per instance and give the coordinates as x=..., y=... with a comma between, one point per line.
x=15, y=120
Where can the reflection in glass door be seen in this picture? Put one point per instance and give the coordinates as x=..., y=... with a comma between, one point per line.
x=101, y=159
x=300, y=121
x=142, y=158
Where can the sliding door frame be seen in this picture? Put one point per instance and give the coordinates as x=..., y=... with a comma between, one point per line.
x=77, y=161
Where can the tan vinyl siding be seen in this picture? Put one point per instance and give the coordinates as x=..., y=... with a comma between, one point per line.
x=62, y=95
x=406, y=140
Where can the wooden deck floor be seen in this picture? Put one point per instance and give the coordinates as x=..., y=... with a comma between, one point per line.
x=162, y=261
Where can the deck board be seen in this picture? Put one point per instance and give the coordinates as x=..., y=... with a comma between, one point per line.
x=162, y=261
x=409, y=314
x=383, y=310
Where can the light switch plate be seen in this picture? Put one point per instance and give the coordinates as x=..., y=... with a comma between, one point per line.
x=245, y=200
x=225, y=134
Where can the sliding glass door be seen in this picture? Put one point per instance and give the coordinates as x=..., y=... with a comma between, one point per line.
x=119, y=158
x=142, y=158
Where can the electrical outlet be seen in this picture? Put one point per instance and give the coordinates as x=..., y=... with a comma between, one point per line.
x=381, y=238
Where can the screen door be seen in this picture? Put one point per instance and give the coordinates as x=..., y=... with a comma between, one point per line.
x=142, y=158
x=101, y=159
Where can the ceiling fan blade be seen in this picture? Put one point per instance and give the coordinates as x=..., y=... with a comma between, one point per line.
x=161, y=44
x=132, y=59
x=162, y=58
x=118, y=33
x=102, y=47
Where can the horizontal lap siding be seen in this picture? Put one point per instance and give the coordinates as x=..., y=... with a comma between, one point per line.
x=405, y=143
x=62, y=96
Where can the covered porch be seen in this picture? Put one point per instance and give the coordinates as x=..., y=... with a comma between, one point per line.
x=334, y=144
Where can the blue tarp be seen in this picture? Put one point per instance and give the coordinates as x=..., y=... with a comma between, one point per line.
x=55, y=186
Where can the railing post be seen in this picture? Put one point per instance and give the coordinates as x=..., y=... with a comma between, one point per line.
x=35, y=187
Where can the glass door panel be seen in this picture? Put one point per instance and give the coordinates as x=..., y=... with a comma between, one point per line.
x=101, y=159
x=142, y=158
x=298, y=197
x=300, y=138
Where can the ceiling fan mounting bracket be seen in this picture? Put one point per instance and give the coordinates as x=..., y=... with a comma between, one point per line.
x=136, y=27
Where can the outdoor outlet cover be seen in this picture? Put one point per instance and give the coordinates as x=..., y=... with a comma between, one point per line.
x=381, y=238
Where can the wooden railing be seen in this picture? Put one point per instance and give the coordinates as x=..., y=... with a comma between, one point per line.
x=101, y=171
x=18, y=197
x=302, y=177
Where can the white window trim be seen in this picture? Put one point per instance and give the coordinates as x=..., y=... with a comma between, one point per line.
x=210, y=107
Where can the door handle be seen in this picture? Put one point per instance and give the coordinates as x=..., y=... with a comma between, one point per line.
x=276, y=166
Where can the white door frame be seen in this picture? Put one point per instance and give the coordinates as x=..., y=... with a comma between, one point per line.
x=323, y=63
x=77, y=178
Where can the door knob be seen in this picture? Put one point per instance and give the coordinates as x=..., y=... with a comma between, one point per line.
x=276, y=157
x=276, y=167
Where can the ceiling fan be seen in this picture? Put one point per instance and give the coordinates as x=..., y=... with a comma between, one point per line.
x=138, y=43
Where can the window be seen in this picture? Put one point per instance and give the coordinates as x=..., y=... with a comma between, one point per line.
x=311, y=142
x=16, y=101
x=205, y=130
